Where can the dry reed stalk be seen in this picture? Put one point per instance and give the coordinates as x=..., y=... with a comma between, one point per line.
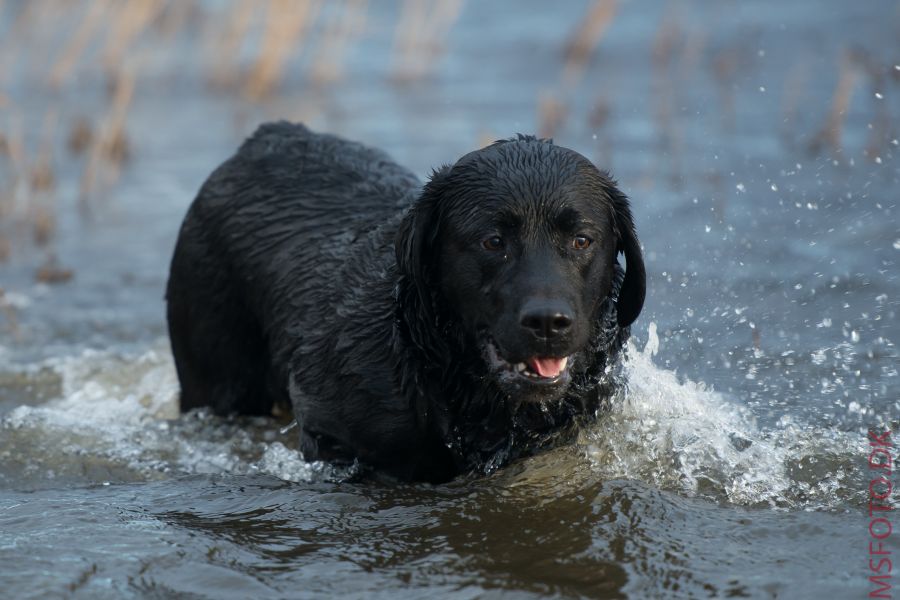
x=41, y=175
x=420, y=35
x=72, y=52
x=725, y=65
x=737, y=58
x=794, y=88
x=111, y=144
x=412, y=19
x=445, y=15
x=327, y=66
x=13, y=147
x=80, y=137
x=174, y=16
x=598, y=116
x=228, y=46
x=51, y=272
x=665, y=43
x=692, y=53
x=666, y=40
x=286, y=21
x=30, y=29
x=43, y=224
x=597, y=119
x=132, y=18
x=831, y=133
x=42, y=179
x=880, y=127
x=5, y=246
x=551, y=115
x=593, y=26
x=10, y=45
x=10, y=313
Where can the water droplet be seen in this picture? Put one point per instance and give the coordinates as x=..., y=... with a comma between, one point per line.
x=879, y=96
x=740, y=187
x=652, y=346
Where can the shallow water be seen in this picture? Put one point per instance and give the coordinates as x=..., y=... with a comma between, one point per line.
x=734, y=464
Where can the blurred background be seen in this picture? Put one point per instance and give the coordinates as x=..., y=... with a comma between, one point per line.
x=758, y=141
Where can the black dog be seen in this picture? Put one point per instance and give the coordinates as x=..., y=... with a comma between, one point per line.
x=424, y=331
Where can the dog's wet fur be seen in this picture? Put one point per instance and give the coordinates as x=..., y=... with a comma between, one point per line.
x=424, y=331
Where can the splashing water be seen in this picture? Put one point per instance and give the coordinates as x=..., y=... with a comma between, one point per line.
x=123, y=413
x=682, y=436
x=119, y=416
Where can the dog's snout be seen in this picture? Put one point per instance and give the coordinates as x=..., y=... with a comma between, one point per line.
x=546, y=318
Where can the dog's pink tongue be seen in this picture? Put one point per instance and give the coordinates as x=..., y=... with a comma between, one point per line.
x=547, y=367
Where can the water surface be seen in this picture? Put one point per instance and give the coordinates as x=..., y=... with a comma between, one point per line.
x=733, y=465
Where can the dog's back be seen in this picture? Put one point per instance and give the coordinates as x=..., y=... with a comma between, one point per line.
x=260, y=255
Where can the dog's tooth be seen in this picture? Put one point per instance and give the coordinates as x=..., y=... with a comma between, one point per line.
x=520, y=367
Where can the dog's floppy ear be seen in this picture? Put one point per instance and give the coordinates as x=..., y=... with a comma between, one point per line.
x=414, y=248
x=634, y=287
x=418, y=230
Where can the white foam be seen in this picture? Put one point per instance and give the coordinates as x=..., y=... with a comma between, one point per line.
x=125, y=409
x=665, y=430
x=680, y=435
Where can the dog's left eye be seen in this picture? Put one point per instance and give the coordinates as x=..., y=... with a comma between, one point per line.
x=581, y=242
x=493, y=243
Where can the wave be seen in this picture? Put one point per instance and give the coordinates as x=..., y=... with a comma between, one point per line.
x=683, y=436
x=116, y=417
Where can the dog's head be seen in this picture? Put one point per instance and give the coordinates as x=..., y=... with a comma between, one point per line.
x=517, y=244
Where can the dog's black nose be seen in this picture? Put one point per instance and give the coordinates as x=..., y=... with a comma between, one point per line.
x=546, y=318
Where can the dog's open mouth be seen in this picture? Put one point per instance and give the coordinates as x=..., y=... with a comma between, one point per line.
x=535, y=369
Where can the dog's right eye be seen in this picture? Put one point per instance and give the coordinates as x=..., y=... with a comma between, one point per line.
x=493, y=243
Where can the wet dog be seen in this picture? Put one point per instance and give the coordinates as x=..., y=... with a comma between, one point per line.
x=424, y=331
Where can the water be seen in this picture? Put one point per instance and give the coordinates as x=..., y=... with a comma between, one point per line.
x=734, y=464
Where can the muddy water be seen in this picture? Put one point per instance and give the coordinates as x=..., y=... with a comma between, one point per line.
x=733, y=465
